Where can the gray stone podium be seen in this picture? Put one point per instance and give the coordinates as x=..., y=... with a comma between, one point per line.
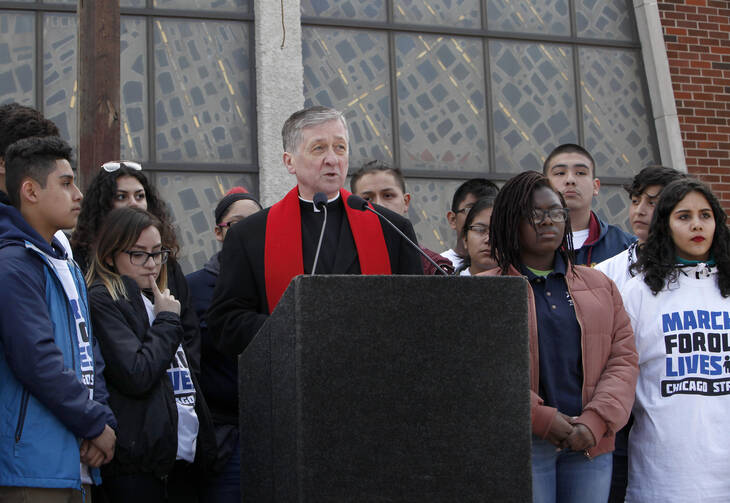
x=389, y=388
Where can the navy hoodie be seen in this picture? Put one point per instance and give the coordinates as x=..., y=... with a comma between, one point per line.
x=604, y=241
x=42, y=397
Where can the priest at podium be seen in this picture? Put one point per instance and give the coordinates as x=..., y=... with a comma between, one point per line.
x=313, y=222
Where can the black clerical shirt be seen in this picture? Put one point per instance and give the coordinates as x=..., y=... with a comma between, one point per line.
x=311, y=227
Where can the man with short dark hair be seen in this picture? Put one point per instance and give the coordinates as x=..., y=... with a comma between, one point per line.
x=265, y=251
x=572, y=171
x=383, y=185
x=466, y=195
x=644, y=191
x=51, y=383
x=18, y=122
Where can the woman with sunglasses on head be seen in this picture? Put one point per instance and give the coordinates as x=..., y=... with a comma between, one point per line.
x=119, y=184
x=165, y=434
x=680, y=311
x=476, y=239
x=583, y=361
x=122, y=184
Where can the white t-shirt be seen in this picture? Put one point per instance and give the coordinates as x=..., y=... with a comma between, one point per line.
x=678, y=448
x=465, y=272
x=579, y=238
x=182, y=385
x=61, y=236
x=456, y=260
x=617, y=267
x=85, y=356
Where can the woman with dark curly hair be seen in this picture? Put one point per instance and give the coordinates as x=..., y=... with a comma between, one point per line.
x=582, y=356
x=119, y=184
x=680, y=312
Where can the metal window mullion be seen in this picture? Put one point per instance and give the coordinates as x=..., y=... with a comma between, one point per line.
x=394, y=111
x=491, y=143
x=491, y=137
x=151, y=95
x=39, y=55
x=575, y=48
x=253, y=116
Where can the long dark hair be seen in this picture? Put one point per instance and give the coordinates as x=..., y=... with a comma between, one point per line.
x=657, y=257
x=98, y=202
x=120, y=232
x=513, y=203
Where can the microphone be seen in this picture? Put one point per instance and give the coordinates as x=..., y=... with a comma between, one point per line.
x=360, y=204
x=320, y=202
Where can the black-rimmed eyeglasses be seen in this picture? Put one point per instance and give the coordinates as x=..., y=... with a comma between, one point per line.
x=556, y=215
x=137, y=257
x=112, y=166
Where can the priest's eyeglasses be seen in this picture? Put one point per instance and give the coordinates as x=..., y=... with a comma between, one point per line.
x=556, y=215
x=137, y=257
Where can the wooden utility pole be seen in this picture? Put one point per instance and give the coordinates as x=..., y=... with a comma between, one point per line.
x=98, y=84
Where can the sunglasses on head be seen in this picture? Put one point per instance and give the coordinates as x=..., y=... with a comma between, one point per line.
x=112, y=166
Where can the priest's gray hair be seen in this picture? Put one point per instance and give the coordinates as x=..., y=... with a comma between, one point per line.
x=291, y=133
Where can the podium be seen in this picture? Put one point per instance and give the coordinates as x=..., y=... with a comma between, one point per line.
x=389, y=388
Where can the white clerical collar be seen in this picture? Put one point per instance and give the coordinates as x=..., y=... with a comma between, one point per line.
x=314, y=208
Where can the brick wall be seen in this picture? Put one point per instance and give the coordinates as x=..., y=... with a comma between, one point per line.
x=697, y=36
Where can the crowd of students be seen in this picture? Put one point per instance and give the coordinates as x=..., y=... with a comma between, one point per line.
x=113, y=389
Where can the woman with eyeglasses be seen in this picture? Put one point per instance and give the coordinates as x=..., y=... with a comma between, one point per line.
x=583, y=362
x=476, y=239
x=165, y=435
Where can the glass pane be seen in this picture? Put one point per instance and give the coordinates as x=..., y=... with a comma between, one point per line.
x=547, y=16
x=462, y=13
x=612, y=206
x=607, y=19
x=239, y=6
x=534, y=102
x=17, y=58
x=60, y=2
x=203, y=91
x=133, y=93
x=430, y=201
x=368, y=10
x=59, y=73
x=615, y=114
x=191, y=199
x=132, y=3
x=348, y=70
x=441, y=103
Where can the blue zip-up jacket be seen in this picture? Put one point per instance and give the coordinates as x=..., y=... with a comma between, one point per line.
x=45, y=409
x=604, y=241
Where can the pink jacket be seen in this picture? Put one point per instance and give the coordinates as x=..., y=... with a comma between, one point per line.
x=610, y=361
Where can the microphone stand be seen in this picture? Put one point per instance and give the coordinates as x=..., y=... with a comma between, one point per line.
x=320, y=202
x=358, y=203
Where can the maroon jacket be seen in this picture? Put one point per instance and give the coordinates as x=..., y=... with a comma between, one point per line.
x=610, y=360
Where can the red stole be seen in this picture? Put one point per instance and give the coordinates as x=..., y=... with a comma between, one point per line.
x=283, y=244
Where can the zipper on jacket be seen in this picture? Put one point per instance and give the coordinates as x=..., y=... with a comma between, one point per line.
x=21, y=415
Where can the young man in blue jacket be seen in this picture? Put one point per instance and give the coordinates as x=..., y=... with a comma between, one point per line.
x=55, y=429
x=572, y=171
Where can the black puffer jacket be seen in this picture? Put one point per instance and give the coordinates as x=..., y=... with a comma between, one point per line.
x=137, y=357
